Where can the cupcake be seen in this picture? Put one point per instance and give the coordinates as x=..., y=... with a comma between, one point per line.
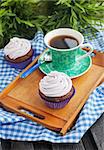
x=56, y=89
x=18, y=52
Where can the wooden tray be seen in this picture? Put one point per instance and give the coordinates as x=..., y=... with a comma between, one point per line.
x=22, y=94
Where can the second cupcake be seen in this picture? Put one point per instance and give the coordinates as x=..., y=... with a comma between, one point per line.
x=56, y=89
x=18, y=52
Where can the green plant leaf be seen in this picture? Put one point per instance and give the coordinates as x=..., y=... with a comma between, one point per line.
x=1, y=29
x=24, y=22
x=79, y=6
x=3, y=12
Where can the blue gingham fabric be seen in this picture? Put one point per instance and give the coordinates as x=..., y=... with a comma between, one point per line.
x=19, y=128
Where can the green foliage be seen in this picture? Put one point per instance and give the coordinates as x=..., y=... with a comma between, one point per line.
x=20, y=18
x=23, y=18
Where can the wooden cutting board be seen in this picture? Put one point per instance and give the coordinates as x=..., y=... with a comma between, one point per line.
x=22, y=95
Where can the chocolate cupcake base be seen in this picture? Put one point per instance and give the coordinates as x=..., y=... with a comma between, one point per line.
x=21, y=62
x=20, y=65
x=58, y=104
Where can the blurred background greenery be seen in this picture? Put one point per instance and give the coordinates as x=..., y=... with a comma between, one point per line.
x=23, y=18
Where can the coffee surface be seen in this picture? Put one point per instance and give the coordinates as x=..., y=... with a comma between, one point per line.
x=63, y=42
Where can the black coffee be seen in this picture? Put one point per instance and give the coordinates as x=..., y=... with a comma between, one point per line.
x=63, y=42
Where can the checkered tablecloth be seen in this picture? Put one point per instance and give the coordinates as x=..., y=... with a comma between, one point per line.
x=18, y=128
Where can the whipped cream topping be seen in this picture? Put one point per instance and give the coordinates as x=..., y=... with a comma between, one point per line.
x=55, y=84
x=17, y=47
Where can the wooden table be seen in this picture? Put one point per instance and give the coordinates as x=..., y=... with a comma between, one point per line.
x=92, y=140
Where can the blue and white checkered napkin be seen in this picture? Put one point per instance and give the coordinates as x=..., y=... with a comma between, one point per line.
x=19, y=128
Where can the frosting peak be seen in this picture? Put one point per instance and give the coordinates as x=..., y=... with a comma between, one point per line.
x=17, y=47
x=55, y=84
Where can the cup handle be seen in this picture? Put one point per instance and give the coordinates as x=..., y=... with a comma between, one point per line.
x=88, y=53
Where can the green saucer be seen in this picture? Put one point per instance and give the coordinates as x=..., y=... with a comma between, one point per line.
x=78, y=69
